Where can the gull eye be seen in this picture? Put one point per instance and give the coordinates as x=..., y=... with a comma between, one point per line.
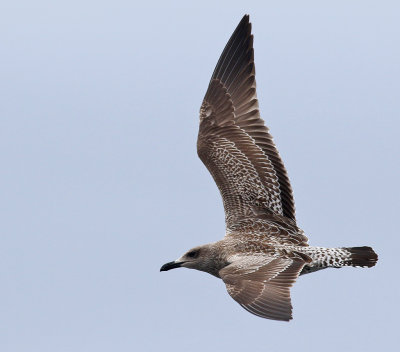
x=192, y=254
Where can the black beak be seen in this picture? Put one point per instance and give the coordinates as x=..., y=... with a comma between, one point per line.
x=170, y=265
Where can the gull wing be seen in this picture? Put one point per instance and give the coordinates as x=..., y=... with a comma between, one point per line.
x=233, y=141
x=263, y=287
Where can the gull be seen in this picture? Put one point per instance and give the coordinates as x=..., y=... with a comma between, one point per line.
x=263, y=251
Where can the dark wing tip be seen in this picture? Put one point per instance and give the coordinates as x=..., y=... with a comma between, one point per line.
x=245, y=19
x=240, y=42
x=243, y=26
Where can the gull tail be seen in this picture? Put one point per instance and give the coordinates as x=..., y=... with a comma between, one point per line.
x=361, y=256
x=323, y=258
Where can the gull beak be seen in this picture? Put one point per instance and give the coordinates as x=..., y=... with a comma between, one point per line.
x=171, y=265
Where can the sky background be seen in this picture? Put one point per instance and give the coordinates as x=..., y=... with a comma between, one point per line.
x=101, y=183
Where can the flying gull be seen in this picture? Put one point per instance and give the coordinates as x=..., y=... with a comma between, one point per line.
x=263, y=251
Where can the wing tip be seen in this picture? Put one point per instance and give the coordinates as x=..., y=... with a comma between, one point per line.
x=244, y=25
x=246, y=18
x=276, y=317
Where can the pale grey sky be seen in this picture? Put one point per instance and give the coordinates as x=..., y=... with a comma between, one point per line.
x=101, y=184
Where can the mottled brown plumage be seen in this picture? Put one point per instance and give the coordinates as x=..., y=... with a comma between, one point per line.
x=263, y=251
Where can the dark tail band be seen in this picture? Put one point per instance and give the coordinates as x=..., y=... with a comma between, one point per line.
x=362, y=256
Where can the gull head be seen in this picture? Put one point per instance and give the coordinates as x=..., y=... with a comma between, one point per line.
x=204, y=258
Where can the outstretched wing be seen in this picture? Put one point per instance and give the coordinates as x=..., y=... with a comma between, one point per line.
x=233, y=141
x=263, y=288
